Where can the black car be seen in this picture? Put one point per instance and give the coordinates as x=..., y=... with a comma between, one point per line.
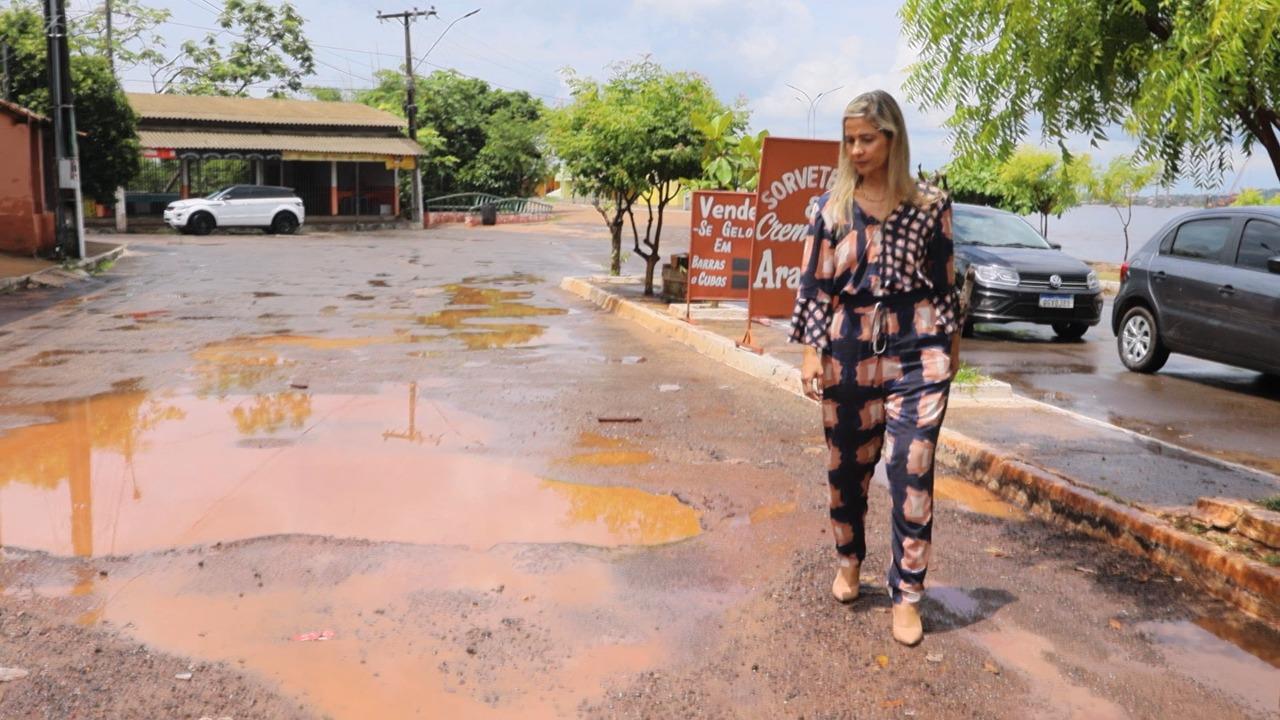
x=1208, y=285
x=1009, y=273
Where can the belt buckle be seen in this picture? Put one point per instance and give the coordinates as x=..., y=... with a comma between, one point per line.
x=878, y=343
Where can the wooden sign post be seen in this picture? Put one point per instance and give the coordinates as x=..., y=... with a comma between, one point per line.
x=720, y=237
x=793, y=173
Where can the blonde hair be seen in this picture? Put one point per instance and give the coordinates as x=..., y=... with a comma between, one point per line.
x=880, y=109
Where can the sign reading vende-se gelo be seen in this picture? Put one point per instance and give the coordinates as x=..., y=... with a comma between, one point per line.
x=720, y=236
x=793, y=172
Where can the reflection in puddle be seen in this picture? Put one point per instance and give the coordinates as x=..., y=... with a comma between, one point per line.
x=144, y=474
x=634, y=516
x=268, y=414
x=975, y=498
x=607, y=452
x=1030, y=654
x=487, y=303
x=1238, y=660
x=769, y=512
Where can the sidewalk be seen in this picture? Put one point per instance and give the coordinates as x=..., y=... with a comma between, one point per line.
x=18, y=272
x=1103, y=480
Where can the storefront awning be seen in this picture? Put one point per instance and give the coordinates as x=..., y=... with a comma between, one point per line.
x=347, y=148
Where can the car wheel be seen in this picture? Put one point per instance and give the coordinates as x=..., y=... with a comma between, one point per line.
x=284, y=224
x=1070, y=330
x=1141, y=349
x=201, y=224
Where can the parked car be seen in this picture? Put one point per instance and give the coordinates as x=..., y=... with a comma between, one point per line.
x=1207, y=284
x=1009, y=273
x=274, y=209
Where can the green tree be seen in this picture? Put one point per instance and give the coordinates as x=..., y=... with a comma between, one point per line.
x=976, y=182
x=634, y=138
x=325, y=94
x=109, y=151
x=267, y=46
x=730, y=155
x=668, y=103
x=135, y=35
x=1249, y=196
x=1119, y=184
x=1040, y=181
x=1189, y=79
x=479, y=138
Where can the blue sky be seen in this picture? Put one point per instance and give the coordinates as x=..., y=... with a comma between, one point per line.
x=751, y=49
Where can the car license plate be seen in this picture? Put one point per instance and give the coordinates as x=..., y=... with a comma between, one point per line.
x=1056, y=301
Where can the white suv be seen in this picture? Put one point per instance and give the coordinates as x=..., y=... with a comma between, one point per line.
x=274, y=209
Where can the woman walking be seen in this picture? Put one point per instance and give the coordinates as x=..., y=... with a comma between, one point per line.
x=876, y=310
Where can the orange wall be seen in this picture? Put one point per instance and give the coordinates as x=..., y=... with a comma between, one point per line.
x=26, y=225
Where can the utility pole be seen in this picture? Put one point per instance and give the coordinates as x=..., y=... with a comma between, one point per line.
x=69, y=212
x=111, y=50
x=5, y=85
x=411, y=104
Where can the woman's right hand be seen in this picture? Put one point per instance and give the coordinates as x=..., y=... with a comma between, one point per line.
x=811, y=374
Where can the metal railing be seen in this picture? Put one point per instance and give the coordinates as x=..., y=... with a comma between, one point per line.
x=472, y=202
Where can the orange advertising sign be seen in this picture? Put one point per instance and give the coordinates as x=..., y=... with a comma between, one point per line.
x=720, y=245
x=793, y=173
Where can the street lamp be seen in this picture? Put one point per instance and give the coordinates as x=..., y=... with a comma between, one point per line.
x=811, y=120
x=442, y=34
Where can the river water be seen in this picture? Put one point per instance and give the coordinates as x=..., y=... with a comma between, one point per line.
x=1094, y=232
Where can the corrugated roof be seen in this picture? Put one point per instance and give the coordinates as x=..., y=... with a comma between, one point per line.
x=260, y=111
x=344, y=144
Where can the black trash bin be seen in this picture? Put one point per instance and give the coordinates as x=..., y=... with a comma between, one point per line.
x=488, y=214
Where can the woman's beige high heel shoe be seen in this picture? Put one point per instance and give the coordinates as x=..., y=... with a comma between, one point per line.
x=908, y=629
x=845, y=586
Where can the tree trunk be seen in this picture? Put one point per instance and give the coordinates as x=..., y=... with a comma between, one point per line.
x=1261, y=123
x=650, y=263
x=615, y=255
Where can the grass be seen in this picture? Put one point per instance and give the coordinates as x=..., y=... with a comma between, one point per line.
x=101, y=267
x=968, y=375
x=1271, y=559
x=1271, y=503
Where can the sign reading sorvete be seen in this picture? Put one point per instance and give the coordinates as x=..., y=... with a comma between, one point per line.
x=720, y=245
x=793, y=173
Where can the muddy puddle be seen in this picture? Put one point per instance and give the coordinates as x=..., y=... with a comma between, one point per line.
x=471, y=310
x=975, y=499
x=406, y=633
x=1240, y=659
x=1032, y=656
x=601, y=451
x=128, y=472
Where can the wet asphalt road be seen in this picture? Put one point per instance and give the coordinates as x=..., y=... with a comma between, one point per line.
x=1204, y=406
x=366, y=476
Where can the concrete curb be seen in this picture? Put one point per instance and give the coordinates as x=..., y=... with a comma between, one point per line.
x=20, y=281
x=1252, y=586
x=776, y=372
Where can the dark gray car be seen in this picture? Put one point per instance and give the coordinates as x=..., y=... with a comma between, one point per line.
x=1009, y=273
x=1208, y=285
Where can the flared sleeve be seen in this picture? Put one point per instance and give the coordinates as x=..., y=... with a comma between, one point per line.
x=811, y=318
x=942, y=268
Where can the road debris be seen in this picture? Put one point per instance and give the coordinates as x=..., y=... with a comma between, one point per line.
x=11, y=674
x=183, y=676
x=619, y=419
x=316, y=636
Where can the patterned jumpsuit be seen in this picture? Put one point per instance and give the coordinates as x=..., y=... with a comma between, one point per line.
x=878, y=301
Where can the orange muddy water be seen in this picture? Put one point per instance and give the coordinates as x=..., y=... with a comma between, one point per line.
x=128, y=472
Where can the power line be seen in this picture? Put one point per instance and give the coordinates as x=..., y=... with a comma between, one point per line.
x=373, y=83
